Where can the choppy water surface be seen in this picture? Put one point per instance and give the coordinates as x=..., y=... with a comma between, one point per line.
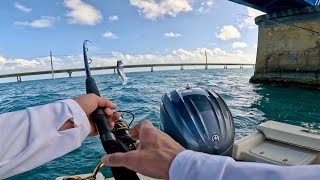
x=250, y=104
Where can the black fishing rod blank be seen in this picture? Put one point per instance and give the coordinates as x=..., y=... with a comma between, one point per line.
x=116, y=140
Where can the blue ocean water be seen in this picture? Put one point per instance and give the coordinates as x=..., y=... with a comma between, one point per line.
x=250, y=105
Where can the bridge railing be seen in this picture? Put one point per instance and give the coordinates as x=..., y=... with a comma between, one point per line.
x=70, y=71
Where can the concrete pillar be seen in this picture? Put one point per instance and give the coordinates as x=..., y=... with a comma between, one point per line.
x=114, y=71
x=225, y=66
x=182, y=67
x=70, y=72
x=241, y=66
x=151, y=68
x=206, y=67
x=289, y=48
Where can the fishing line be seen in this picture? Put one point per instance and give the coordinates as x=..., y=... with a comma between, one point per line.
x=127, y=112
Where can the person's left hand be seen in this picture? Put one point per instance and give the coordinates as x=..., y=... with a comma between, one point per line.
x=90, y=103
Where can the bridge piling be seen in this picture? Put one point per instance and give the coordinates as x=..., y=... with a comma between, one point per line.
x=225, y=66
x=288, y=40
x=206, y=67
x=114, y=71
x=52, y=72
x=182, y=67
x=151, y=68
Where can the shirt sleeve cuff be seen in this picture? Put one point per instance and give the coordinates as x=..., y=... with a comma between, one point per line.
x=177, y=170
x=79, y=117
x=196, y=165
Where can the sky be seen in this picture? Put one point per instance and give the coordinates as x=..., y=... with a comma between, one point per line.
x=135, y=31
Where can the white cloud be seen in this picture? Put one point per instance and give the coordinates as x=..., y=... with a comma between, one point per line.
x=172, y=35
x=82, y=13
x=215, y=55
x=238, y=52
x=249, y=22
x=43, y=22
x=238, y=45
x=113, y=18
x=228, y=32
x=17, y=65
x=22, y=7
x=155, y=9
x=2, y=60
x=110, y=35
x=206, y=6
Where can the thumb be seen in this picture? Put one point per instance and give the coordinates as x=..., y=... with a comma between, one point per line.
x=120, y=159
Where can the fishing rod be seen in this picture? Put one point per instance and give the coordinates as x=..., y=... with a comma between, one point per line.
x=116, y=140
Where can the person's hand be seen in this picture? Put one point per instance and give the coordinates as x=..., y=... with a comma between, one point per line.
x=90, y=102
x=154, y=155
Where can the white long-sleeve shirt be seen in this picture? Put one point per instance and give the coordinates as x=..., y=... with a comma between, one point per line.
x=190, y=165
x=30, y=138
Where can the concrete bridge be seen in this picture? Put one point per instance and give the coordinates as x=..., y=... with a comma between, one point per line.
x=270, y=6
x=151, y=66
x=289, y=42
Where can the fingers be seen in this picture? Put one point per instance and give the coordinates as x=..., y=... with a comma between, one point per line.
x=135, y=131
x=102, y=102
x=116, y=116
x=108, y=112
x=128, y=159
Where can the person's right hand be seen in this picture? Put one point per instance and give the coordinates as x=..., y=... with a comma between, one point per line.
x=154, y=155
x=90, y=102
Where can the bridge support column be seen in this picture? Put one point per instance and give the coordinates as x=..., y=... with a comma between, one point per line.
x=18, y=79
x=151, y=68
x=114, y=71
x=70, y=72
x=182, y=67
x=241, y=66
x=288, y=48
x=206, y=67
x=225, y=66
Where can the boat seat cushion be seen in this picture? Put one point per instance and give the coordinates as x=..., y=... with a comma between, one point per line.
x=289, y=134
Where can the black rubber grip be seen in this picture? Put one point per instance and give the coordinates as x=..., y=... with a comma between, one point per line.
x=91, y=86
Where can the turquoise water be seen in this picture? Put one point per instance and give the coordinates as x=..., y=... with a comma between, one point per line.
x=250, y=104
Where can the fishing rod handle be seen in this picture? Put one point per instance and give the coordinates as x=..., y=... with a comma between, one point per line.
x=99, y=115
x=108, y=139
